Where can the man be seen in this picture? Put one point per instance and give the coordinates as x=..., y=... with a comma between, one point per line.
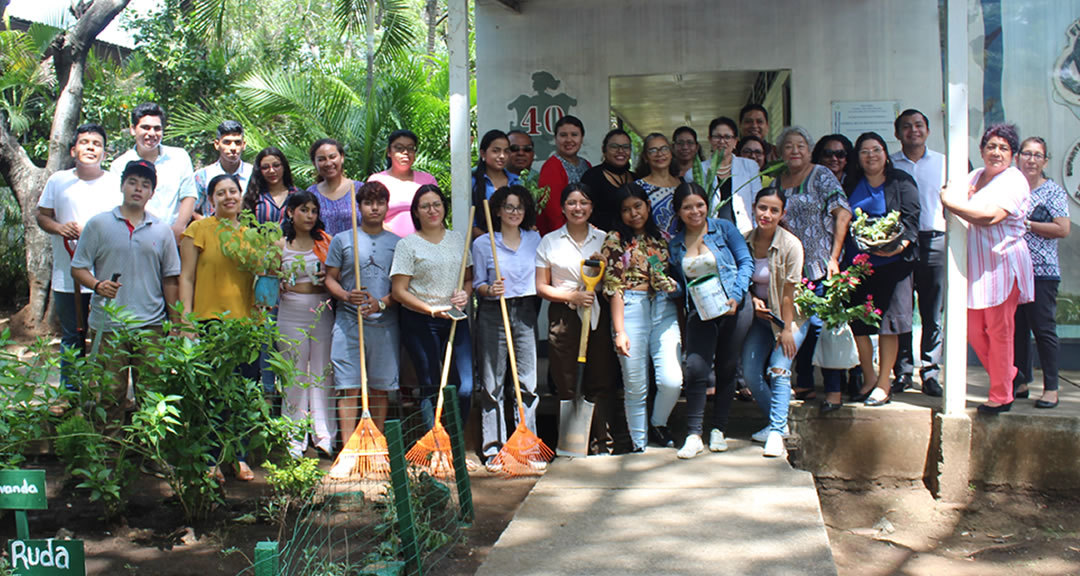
x=928, y=169
x=521, y=152
x=70, y=199
x=174, y=198
x=754, y=121
x=230, y=146
x=135, y=244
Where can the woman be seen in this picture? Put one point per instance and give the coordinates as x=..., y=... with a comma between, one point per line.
x=877, y=188
x=686, y=149
x=513, y=216
x=644, y=319
x=658, y=176
x=558, y=280
x=605, y=180
x=401, y=180
x=1045, y=226
x=490, y=174
x=563, y=168
x=331, y=187
x=270, y=186
x=305, y=319
x=424, y=278
x=372, y=299
x=995, y=201
x=777, y=330
x=833, y=152
x=706, y=246
x=752, y=148
x=818, y=210
x=735, y=173
x=211, y=285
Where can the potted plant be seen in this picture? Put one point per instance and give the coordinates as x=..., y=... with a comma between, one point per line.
x=256, y=249
x=836, y=346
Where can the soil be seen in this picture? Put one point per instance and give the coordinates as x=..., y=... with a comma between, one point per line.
x=881, y=530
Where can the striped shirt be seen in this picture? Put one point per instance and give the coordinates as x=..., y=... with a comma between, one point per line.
x=998, y=256
x=267, y=211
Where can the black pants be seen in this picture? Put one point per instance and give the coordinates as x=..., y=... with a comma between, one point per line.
x=928, y=278
x=718, y=341
x=1037, y=318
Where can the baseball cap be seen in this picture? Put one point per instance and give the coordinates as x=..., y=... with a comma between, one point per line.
x=140, y=168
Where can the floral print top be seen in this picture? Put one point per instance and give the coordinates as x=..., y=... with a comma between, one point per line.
x=629, y=266
x=1044, y=251
x=809, y=215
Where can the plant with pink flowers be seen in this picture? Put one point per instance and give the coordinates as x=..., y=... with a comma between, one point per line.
x=835, y=308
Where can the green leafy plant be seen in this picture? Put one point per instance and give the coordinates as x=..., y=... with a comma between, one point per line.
x=835, y=308
x=30, y=406
x=294, y=483
x=254, y=247
x=710, y=176
x=540, y=194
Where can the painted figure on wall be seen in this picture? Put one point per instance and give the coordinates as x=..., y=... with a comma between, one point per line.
x=538, y=113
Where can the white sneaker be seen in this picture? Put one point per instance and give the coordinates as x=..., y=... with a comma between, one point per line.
x=762, y=435
x=774, y=445
x=493, y=466
x=717, y=442
x=691, y=448
x=538, y=465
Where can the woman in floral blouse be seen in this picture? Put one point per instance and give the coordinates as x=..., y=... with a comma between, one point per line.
x=644, y=319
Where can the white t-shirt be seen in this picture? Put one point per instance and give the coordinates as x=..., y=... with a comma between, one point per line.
x=175, y=180
x=433, y=268
x=559, y=253
x=75, y=200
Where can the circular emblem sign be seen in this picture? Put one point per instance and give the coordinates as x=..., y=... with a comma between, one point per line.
x=1070, y=171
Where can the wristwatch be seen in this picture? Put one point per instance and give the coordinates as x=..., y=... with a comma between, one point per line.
x=382, y=305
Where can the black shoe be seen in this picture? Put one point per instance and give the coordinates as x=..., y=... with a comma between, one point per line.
x=930, y=387
x=827, y=406
x=994, y=410
x=1044, y=404
x=661, y=436
x=861, y=396
x=854, y=381
x=1025, y=394
x=807, y=394
x=900, y=384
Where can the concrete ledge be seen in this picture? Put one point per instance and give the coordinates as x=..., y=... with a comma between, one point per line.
x=1025, y=451
x=951, y=464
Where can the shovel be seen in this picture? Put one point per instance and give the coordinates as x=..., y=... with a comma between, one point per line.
x=575, y=416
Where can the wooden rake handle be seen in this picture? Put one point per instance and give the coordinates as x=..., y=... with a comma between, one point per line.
x=505, y=315
x=359, y=314
x=453, y=327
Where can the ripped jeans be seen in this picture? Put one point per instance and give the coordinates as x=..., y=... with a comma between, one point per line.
x=772, y=391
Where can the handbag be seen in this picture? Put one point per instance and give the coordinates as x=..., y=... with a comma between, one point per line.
x=836, y=348
x=709, y=297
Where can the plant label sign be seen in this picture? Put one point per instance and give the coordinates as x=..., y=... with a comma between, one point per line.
x=47, y=557
x=22, y=490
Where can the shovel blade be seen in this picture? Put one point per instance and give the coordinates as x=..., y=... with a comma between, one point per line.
x=575, y=423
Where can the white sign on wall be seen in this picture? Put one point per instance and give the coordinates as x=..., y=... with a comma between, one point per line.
x=854, y=118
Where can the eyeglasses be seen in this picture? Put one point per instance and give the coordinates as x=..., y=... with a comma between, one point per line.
x=269, y=167
x=513, y=209
x=430, y=207
x=723, y=137
x=525, y=149
x=399, y=149
x=656, y=151
x=838, y=154
x=685, y=143
x=1028, y=155
x=871, y=151
x=750, y=152
x=618, y=147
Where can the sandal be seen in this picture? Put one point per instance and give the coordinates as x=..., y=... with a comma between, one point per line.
x=804, y=393
x=244, y=472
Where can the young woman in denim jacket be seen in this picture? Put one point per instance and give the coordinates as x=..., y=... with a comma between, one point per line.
x=703, y=246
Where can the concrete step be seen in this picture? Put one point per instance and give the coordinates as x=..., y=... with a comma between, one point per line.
x=729, y=513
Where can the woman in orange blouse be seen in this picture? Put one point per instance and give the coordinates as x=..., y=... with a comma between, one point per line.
x=644, y=319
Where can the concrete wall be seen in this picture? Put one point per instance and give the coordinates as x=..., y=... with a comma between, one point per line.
x=840, y=50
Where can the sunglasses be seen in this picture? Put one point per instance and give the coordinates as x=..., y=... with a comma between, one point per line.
x=838, y=154
x=525, y=149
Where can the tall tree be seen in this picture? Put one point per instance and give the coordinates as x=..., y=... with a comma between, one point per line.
x=68, y=53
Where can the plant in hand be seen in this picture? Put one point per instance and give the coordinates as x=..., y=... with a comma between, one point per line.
x=877, y=231
x=255, y=247
x=835, y=308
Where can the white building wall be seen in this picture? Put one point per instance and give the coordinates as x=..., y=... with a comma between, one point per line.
x=836, y=50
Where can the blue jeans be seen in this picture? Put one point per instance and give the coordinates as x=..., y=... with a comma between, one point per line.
x=652, y=326
x=760, y=350
x=425, y=339
x=70, y=338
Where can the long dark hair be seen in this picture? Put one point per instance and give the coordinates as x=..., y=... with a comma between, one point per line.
x=414, y=208
x=855, y=169
x=626, y=234
x=295, y=201
x=643, y=169
x=257, y=184
x=819, y=149
x=479, y=191
x=682, y=192
x=528, y=220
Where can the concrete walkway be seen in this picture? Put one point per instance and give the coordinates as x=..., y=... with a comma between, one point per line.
x=652, y=514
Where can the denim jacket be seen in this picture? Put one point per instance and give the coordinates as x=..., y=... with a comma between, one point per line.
x=734, y=265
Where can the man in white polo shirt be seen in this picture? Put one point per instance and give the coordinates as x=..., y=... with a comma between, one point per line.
x=69, y=200
x=135, y=244
x=174, y=198
x=230, y=146
x=928, y=169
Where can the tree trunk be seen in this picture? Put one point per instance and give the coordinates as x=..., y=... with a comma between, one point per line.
x=431, y=15
x=369, y=24
x=28, y=180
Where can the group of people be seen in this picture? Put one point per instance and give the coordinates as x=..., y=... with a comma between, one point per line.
x=698, y=284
